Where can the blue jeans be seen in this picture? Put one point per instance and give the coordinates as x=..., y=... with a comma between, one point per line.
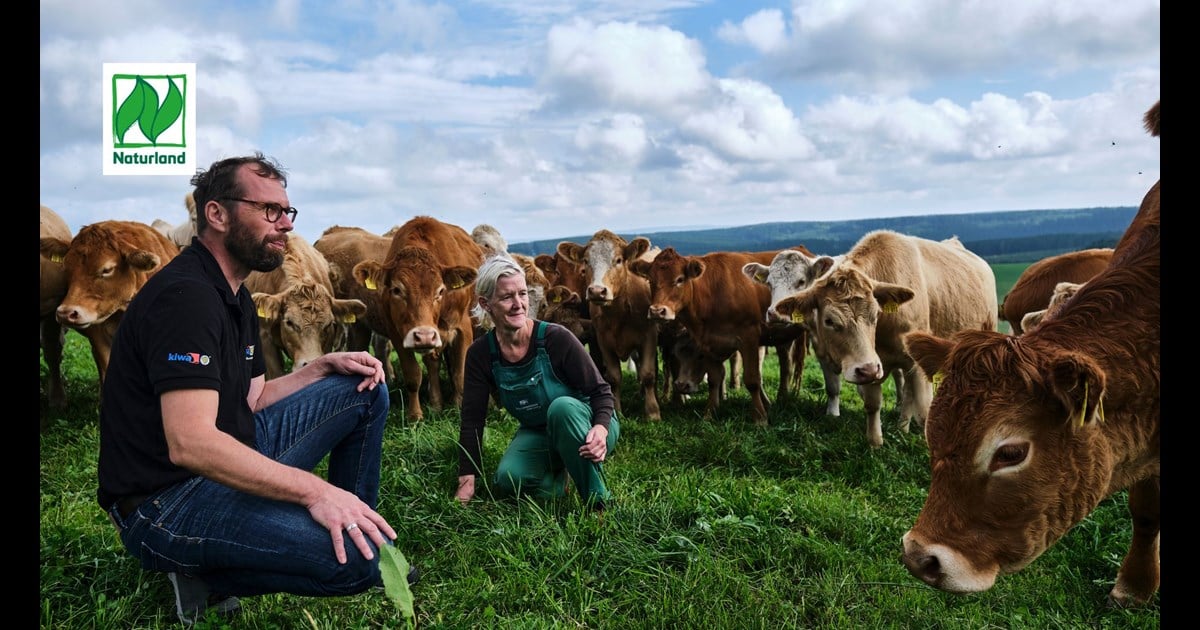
x=242, y=544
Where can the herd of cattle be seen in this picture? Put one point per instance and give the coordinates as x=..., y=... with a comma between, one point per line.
x=1028, y=430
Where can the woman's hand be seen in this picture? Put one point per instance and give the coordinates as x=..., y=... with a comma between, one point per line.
x=466, y=488
x=595, y=447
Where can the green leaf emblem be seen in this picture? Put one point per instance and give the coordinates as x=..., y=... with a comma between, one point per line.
x=129, y=111
x=142, y=107
x=168, y=112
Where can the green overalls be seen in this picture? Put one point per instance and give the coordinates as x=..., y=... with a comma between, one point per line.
x=554, y=423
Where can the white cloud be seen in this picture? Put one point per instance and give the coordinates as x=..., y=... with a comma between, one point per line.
x=765, y=31
x=621, y=137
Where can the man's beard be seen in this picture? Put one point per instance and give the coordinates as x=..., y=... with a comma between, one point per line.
x=255, y=255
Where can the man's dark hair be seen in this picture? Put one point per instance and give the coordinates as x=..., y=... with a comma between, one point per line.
x=220, y=182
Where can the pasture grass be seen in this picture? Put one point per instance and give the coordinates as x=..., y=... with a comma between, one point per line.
x=716, y=524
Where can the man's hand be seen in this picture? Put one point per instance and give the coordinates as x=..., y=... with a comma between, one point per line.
x=346, y=516
x=362, y=362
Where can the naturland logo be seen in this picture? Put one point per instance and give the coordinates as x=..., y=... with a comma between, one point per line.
x=149, y=119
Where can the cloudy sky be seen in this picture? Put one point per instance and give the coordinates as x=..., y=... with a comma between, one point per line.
x=556, y=118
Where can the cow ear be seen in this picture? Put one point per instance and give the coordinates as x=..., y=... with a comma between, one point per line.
x=571, y=251
x=556, y=294
x=636, y=248
x=54, y=248
x=756, y=271
x=1078, y=383
x=368, y=273
x=891, y=296
x=640, y=267
x=1031, y=319
x=347, y=311
x=458, y=277
x=545, y=262
x=694, y=268
x=572, y=298
x=267, y=306
x=929, y=351
x=821, y=265
x=142, y=260
x=797, y=305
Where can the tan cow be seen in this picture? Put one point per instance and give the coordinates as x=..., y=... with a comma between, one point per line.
x=618, y=301
x=106, y=264
x=182, y=233
x=560, y=271
x=1063, y=291
x=1028, y=434
x=889, y=284
x=343, y=248
x=424, y=289
x=1031, y=291
x=299, y=316
x=53, y=288
x=724, y=312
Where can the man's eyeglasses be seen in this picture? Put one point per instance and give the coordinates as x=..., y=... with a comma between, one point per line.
x=272, y=210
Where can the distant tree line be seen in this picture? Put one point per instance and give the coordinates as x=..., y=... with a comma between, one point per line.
x=1010, y=236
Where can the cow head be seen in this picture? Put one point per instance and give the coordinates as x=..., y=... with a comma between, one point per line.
x=105, y=265
x=791, y=272
x=308, y=320
x=670, y=276
x=847, y=306
x=562, y=308
x=419, y=297
x=604, y=259
x=1015, y=453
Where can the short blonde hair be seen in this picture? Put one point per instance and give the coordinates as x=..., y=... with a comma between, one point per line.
x=495, y=267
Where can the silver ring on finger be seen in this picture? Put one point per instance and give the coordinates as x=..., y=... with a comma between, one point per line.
x=351, y=527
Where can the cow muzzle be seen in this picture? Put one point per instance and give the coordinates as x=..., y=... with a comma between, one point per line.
x=661, y=312
x=423, y=339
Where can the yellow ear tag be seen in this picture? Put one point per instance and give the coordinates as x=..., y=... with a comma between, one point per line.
x=56, y=258
x=262, y=313
x=370, y=284
x=891, y=307
x=556, y=299
x=348, y=318
x=457, y=284
x=937, y=380
x=760, y=276
x=797, y=317
x=1083, y=408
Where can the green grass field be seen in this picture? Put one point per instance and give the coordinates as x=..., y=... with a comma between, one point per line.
x=717, y=524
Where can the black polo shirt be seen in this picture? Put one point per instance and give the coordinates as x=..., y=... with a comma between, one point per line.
x=184, y=329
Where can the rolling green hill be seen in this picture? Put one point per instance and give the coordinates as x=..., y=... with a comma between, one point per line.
x=999, y=237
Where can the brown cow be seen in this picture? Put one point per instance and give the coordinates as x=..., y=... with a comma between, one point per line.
x=106, y=264
x=560, y=271
x=424, y=289
x=618, y=301
x=1031, y=291
x=724, y=312
x=562, y=308
x=53, y=287
x=1027, y=435
x=886, y=285
x=299, y=315
x=343, y=248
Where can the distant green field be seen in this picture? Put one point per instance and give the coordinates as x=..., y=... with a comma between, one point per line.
x=1006, y=275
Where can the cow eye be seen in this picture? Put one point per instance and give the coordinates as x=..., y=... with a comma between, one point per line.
x=107, y=270
x=617, y=260
x=679, y=281
x=1009, y=455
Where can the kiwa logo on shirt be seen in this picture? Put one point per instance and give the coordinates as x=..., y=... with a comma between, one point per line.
x=250, y=352
x=194, y=358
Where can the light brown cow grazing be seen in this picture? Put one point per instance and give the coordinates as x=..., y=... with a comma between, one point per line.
x=424, y=288
x=53, y=288
x=618, y=301
x=106, y=264
x=299, y=316
x=1031, y=291
x=1063, y=291
x=343, y=248
x=889, y=284
x=1027, y=435
x=724, y=312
